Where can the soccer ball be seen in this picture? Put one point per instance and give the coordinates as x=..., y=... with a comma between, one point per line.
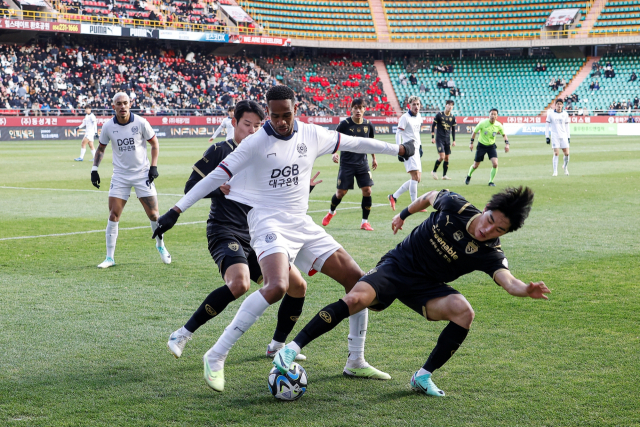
x=290, y=386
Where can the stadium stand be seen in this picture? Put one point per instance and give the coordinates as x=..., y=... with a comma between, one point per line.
x=511, y=85
x=618, y=16
x=344, y=20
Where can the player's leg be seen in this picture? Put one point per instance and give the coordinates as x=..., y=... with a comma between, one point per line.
x=439, y=161
x=91, y=147
x=445, y=163
x=341, y=191
x=116, y=205
x=393, y=198
x=149, y=200
x=366, y=204
x=479, y=157
x=565, y=165
x=556, y=152
x=416, y=175
x=83, y=149
x=494, y=170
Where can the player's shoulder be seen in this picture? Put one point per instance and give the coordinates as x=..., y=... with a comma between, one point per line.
x=139, y=119
x=109, y=124
x=449, y=200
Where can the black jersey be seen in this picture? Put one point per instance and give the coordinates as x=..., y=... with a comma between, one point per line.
x=362, y=130
x=223, y=211
x=441, y=249
x=446, y=125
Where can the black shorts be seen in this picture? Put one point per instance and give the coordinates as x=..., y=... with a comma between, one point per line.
x=228, y=248
x=413, y=291
x=443, y=147
x=346, y=174
x=490, y=150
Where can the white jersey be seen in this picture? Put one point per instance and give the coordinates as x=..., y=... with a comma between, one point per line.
x=129, y=144
x=90, y=123
x=227, y=126
x=409, y=129
x=272, y=172
x=558, y=124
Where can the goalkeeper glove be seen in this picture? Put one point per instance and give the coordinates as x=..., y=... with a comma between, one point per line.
x=421, y=153
x=569, y=140
x=95, y=179
x=548, y=140
x=409, y=149
x=153, y=173
x=166, y=222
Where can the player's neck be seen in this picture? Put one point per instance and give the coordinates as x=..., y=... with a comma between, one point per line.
x=357, y=121
x=125, y=120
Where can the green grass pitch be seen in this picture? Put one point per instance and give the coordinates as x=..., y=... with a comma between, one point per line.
x=86, y=347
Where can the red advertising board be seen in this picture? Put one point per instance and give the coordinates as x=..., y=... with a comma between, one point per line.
x=19, y=24
x=272, y=41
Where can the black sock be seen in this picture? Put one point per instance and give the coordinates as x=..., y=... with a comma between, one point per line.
x=366, y=207
x=323, y=322
x=449, y=341
x=445, y=168
x=437, y=165
x=212, y=305
x=288, y=314
x=334, y=203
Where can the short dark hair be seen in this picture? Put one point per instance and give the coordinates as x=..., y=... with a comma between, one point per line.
x=560, y=101
x=358, y=102
x=281, y=92
x=450, y=102
x=231, y=108
x=514, y=203
x=247, y=106
x=493, y=109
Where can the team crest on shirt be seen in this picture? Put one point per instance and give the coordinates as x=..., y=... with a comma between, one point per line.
x=234, y=246
x=302, y=148
x=366, y=129
x=458, y=235
x=134, y=130
x=471, y=248
x=270, y=237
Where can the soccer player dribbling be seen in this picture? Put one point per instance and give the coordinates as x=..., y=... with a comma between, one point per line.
x=453, y=241
x=557, y=131
x=487, y=131
x=444, y=125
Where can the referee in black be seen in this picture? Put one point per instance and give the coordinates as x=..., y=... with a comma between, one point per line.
x=354, y=165
x=444, y=125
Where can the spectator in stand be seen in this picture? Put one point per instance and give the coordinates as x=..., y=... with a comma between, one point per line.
x=552, y=84
x=413, y=80
x=636, y=103
x=538, y=67
x=633, y=77
x=609, y=73
x=423, y=88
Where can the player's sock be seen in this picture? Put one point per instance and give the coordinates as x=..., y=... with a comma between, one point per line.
x=112, y=236
x=471, y=170
x=82, y=151
x=288, y=314
x=566, y=161
x=323, y=322
x=248, y=313
x=357, y=333
x=366, y=208
x=212, y=305
x=437, y=165
x=445, y=168
x=334, y=204
x=555, y=164
x=413, y=190
x=494, y=171
x=403, y=188
x=449, y=341
x=93, y=154
x=159, y=239
x=422, y=372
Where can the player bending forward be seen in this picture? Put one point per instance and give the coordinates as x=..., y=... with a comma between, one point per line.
x=90, y=123
x=453, y=241
x=558, y=135
x=487, y=129
x=229, y=244
x=354, y=165
x=129, y=135
x=444, y=126
x=270, y=172
x=226, y=125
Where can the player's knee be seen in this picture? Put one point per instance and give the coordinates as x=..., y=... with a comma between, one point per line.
x=239, y=284
x=341, y=193
x=366, y=191
x=461, y=311
x=114, y=217
x=297, y=288
x=443, y=157
x=275, y=289
x=446, y=157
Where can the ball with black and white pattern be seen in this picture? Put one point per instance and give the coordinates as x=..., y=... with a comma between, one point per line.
x=290, y=386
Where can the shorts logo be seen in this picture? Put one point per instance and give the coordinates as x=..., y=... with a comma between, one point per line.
x=210, y=311
x=325, y=316
x=373, y=270
x=302, y=148
x=294, y=318
x=134, y=130
x=440, y=149
x=270, y=237
x=471, y=248
x=339, y=181
x=458, y=235
x=234, y=246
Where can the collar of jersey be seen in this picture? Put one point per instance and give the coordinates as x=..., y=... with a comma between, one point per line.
x=411, y=114
x=115, y=120
x=272, y=132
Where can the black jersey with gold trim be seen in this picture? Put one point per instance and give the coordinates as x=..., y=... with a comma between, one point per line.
x=362, y=130
x=444, y=125
x=441, y=248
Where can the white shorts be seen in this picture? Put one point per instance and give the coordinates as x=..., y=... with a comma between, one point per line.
x=306, y=244
x=559, y=143
x=90, y=136
x=414, y=163
x=121, y=186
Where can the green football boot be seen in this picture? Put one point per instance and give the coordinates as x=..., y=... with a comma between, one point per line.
x=283, y=359
x=361, y=369
x=424, y=384
x=214, y=379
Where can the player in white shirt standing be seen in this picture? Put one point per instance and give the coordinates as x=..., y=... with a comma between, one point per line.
x=270, y=172
x=90, y=123
x=129, y=135
x=558, y=135
x=226, y=125
x=409, y=131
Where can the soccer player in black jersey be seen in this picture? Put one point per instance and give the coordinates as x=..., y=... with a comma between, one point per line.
x=444, y=125
x=228, y=241
x=453, y=241
x=354, y=165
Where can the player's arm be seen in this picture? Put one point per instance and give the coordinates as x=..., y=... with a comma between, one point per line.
x=453, y=132
x=518, y=288
x=83, y=124
x=433, y=130
x=374, y=146
x=506, y=140
x=217, y=132
x=97, y=159
x=546, y=130
x=568, y=128
x=374, y=162
x=417, y=205
x=203, y=167
x=155, y=151
x=473, y=137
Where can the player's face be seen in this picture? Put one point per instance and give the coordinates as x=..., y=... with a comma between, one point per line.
x=248, y=124
x=357, y=112
x=448, y=108
x=230, y=113
x=490, y=225
x=415, y=107
x=282, y=113
x=559, y=107
x=493, y=116
x=122, y=105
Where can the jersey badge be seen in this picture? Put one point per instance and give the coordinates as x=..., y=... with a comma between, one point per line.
x=134, y=130
x=458, y=235
x=272, y=237
x=471, y=248
x=234, y=246
x=302, y=148
x=366, y=129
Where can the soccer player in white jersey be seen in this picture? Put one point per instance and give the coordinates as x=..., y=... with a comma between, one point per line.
x=269, y=171
x=129, y=135
x=558, y=135
x=90, y=124
x=226, y=125
x=409, y=131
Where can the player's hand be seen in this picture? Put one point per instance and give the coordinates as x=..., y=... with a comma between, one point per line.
x=453, y=144
x=166, y=222
x=433, y=140
x=374, y=164
x=313, y=181
x=407, y=149
x=226, y=189
x=211, y=139
x=396, y=223
x=335, y=158
x=95, y=179
x=548, y=140
x=153, y=173
x=538, y=290
x=506, y=148
x=471, y=147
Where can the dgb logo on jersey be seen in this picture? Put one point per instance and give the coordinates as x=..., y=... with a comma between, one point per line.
x=234, y=246
x=125, y=141
x=286, y=171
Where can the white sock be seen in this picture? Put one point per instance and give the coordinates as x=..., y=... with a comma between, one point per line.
x=422, y=372
x=364, y=221
x=93, y=154
x=403, y=188
x=248, y=313
x=184, y=331
x=295, y=347
x=216, y=360
x=413, y=189
x=332, y=212
x=112, y=236
x=357, y=334
x=566, y=161
x=276, y=344
x=555, y=164
x=159, y=239
x=82, y=151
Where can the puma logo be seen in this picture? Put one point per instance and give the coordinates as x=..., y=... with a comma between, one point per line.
x=448, y=222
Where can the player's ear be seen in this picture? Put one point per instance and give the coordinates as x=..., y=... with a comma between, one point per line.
x=234, y=122
x=295, y=109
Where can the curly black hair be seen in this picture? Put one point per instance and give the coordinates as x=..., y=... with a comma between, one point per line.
x=281, y=92
x=514, y=203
